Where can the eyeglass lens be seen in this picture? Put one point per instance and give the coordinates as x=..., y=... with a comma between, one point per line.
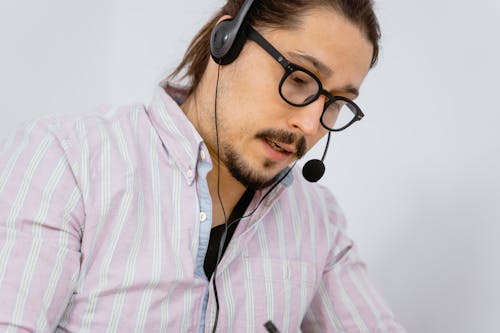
x=300, y=88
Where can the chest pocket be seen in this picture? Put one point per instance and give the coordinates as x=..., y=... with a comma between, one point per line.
x=281, y=290
x=282, y=271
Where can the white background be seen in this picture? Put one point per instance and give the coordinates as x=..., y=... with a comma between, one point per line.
x=418, y=178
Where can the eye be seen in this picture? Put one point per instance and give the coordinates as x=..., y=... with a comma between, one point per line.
x=299, y=88
x=300, y=78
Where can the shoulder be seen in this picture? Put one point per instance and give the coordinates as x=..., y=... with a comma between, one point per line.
x=94, y=125
x=66, y=127
x=84, y=140
x=90, y=132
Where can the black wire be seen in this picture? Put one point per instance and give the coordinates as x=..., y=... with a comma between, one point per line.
x=224, y=235
x=223, y=238
x=226, y=225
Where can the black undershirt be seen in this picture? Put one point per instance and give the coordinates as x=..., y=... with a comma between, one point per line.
x=216, y=233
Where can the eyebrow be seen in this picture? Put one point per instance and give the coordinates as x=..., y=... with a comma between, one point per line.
x=351, y=90
x=323, y=69
x=317, y=64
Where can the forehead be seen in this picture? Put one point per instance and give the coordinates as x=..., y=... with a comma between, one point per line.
x=325, y=38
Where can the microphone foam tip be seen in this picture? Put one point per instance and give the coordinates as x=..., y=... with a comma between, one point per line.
x=313, y=170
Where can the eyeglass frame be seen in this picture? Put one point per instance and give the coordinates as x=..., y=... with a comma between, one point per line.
x=290, y=67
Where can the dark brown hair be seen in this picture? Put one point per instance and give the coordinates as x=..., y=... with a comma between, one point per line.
x=270, y=14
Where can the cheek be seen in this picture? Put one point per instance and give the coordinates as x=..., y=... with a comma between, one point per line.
x=256, y=78
x=251, y=105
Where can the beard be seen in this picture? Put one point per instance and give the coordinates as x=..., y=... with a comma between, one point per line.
x=242, y=172
x=248, y=176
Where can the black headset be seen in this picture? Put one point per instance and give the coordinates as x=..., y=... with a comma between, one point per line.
x=228, y=37
x=226, y=42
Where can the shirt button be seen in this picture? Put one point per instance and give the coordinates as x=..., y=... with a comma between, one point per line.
x=203, y=155
x=190, y=173
x=203, y=216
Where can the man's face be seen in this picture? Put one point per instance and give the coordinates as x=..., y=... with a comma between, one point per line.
x=259, y=133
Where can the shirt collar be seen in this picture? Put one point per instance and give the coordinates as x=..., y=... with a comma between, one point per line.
x=176, y=132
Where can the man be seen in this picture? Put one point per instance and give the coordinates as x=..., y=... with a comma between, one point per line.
x=188, y=215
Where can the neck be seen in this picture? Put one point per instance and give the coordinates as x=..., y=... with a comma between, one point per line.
x=230, y=191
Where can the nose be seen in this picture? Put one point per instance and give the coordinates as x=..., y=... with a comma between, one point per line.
x=307, y=118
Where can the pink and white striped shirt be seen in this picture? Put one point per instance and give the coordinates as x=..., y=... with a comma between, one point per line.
x=104, y=220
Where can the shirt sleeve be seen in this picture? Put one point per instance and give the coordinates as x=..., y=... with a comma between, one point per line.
x=41, y=215
x=346, y=301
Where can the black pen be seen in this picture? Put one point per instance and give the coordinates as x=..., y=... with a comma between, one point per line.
x=270, y=327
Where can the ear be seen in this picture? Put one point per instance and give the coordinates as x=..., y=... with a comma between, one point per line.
x=224, y=18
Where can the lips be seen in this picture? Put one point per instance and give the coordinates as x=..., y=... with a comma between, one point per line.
x=276, y=151
x=280, y=144
x=281, y=147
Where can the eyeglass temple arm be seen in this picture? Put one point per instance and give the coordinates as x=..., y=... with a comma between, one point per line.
x=259, y=39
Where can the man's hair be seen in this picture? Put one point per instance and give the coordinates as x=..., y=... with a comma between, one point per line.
x=284, y=14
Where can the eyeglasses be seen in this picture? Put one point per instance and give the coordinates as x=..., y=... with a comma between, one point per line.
x=300, y=87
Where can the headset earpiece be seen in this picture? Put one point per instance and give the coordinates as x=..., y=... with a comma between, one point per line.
x=226, y=42
x=228, y=37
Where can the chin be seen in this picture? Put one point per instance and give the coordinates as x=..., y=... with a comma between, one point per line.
x=250, y=176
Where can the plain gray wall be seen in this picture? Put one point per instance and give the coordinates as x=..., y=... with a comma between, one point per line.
x=418, y=178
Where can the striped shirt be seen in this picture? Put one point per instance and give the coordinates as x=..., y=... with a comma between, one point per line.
x=105, y=221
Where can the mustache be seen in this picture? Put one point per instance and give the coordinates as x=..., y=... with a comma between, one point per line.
x=286, y=138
